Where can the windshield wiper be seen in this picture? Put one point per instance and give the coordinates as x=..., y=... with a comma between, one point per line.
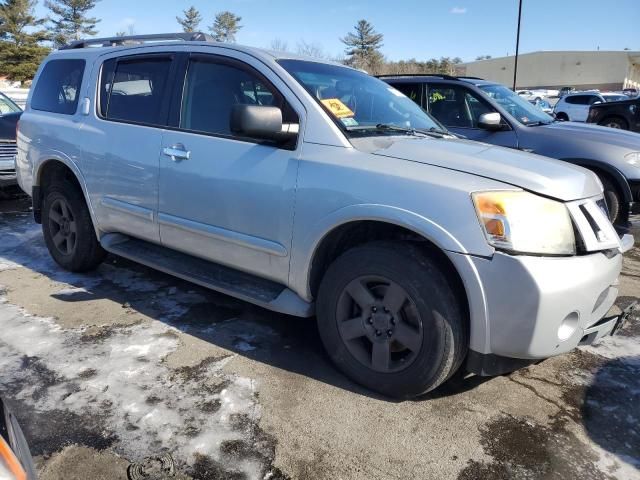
x=397, y=128
x=537, y=124
x=438, y=131
x=387, y=127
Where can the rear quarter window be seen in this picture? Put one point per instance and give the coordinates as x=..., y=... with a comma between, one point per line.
x=58, y=87
x=578, y=99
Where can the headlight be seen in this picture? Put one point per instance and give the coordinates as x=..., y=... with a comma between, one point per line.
x=522, y=222
x=633, y=158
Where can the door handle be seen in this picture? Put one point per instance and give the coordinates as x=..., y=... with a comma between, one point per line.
x=177, y=152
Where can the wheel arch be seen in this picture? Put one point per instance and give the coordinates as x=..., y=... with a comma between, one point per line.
x=56, y=168
x=352, y=231
x=618, y=178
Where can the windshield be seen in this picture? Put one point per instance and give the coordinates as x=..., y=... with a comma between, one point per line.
x=359, y=103
x=7, y=105
x=517, y=106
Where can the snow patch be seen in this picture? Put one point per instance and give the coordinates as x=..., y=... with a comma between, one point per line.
x=122, y=378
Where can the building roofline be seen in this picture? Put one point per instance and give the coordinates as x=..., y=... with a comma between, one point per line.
x=556, y=52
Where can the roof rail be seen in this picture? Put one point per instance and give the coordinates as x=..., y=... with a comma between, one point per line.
x=440, y=75
x=134, y=39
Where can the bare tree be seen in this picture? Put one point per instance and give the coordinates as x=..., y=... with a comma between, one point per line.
x=310, y=49
x=279, y=45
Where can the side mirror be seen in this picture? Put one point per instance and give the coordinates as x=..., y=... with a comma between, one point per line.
x=260, y=121
x=490, y=121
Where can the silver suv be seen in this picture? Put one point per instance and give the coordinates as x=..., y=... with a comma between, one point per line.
x=311, y=188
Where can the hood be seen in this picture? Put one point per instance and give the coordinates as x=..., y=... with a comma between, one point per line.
x=538, y=174
x=595, y=133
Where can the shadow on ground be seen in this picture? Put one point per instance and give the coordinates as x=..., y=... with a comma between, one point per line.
x=285, y=342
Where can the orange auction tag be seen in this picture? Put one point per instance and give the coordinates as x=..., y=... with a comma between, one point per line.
x=339, y=109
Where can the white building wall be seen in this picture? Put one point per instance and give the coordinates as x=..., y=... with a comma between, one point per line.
x=597, y=69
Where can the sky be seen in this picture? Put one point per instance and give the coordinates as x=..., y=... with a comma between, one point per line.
x=412, y=28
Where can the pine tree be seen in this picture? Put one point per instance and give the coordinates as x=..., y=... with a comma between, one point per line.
x=20, y=46
x=363, y=47
x=70, y=21
x=225, y=27
x=191, y=20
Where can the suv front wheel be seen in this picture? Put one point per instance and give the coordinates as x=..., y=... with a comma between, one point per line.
x=390, y=320
x=68, y=229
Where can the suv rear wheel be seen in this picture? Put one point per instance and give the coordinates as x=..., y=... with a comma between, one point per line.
x=68, y=229
x=615, y=122
x=390, y=320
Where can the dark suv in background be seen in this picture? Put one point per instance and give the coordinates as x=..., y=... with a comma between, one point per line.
x=490, y=112
x=9, y=116
x=624, y=114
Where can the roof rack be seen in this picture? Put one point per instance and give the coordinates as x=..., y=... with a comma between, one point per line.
x=136, y=39
x=440, y=75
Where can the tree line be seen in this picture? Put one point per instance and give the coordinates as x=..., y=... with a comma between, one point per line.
x=363, y=46
x=26, y=39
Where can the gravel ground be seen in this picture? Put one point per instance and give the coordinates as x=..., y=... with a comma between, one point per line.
x=127, y=364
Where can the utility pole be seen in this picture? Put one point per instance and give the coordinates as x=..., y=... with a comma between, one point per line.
x=515, y=68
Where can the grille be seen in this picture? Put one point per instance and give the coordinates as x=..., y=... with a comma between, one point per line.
x=591, y=220
x=8, y=150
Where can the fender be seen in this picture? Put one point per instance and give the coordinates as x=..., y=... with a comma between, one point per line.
x=617, y=175
x=46, y=157
x=305, y=250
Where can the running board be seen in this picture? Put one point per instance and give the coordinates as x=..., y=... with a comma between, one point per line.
x=247, y=287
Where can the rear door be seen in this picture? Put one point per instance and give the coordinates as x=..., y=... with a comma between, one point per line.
x=459, y=108
x=577, y=107
x=124, y=137
x=226, y=198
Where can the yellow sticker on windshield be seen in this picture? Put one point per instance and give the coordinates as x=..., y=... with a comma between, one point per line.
x=339, y=109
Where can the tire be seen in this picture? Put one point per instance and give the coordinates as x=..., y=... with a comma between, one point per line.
x=68, y=229
x=398, y=351
x=562, y=116
x=612, y=198
x=614, y=122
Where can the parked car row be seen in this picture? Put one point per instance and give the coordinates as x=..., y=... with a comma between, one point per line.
x=624, y=114
x=492, y=113
x=575, y=106
x=313, y=189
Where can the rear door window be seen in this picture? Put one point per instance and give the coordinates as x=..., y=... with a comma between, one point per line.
x=58, y=87
x=411, y=90
x=448, y=104
x=133, y=90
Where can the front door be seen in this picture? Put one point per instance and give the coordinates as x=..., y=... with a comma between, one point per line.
x=222, y=197
x=459, y=108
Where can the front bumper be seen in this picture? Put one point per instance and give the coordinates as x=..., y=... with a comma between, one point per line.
x=488, y=364
x=531, y=308
x=7, y=173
